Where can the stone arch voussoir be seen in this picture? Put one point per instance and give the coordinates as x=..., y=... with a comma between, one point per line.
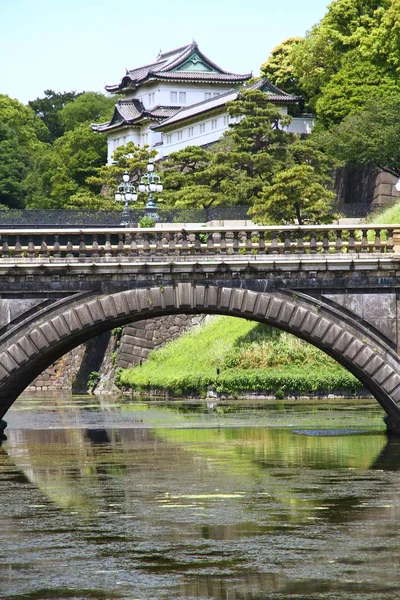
x=33, y=346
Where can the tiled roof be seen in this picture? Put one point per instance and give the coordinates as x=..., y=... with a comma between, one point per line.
x=274, y=94
x=200, y=107
x=129, y=112
x=164, y=67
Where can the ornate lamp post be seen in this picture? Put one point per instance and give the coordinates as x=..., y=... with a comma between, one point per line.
x=125, y=193
x=150, y=184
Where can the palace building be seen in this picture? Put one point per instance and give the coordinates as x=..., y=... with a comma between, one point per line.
x=180, y=100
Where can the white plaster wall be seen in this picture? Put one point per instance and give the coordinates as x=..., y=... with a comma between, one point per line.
x=192, y=135
x=301, y=125
x=162, y=93
x=120, y=138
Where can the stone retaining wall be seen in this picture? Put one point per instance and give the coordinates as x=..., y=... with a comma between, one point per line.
x=105, y=353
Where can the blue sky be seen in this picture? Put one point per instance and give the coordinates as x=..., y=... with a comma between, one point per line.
x=85, y=44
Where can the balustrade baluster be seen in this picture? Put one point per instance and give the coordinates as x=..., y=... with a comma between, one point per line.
x=31, y=248
x=121, y=245
x=159, y=244
x=274, y=243
x=351, y=246
x=287, y=245
x=313, y=243
x=339, y=242
x=95, y=246
x=17, y=248
x=210, y=244
x=5, y=250
x=146, y=243
x=107, y=246
x=236, y=244
x=377, y=242
x=300, y=242
x=44, y=251
x=184, y=243
x=69, y=248
x=261, y=243
x=171, y=244
x=133, y=251
x=82, y=246
x=223, y=248
x=197, y=243
x=249, y=243
x=389, y=241
x=56, y=246
x=364, y=241
x=325, y=242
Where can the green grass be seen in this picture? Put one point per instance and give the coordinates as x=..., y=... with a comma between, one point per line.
x=249, y=356
x=388, y=216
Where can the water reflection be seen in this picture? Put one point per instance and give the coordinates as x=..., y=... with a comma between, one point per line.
x=139, y=500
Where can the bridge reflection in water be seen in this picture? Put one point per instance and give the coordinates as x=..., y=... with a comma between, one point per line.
x=334, y=287
x=174, y=503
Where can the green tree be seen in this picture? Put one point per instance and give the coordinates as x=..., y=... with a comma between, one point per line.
x=279, y=67
x=87, y=107
x=301, y=191
x=348, y=56
x=48, y=109
x=370, y=136
x=21, y=133
x=64, y=169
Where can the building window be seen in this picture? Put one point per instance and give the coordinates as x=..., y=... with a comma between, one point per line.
x=202, y=127
x=191, y=131
x=214, y=124
x=182, y=97
x=169, y=138
x=173, y=97
x=215, y=94
x=145, y=138
x=225, y=120
x=207, y=96
x=180, y=135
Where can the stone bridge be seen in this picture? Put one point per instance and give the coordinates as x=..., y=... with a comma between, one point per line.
x=337, y=288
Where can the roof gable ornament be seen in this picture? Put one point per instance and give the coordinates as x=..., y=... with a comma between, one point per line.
x=195, y=63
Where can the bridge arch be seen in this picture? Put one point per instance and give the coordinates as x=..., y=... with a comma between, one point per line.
x=32, y=345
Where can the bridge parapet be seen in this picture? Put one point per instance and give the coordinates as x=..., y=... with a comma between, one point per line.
x=105, y=244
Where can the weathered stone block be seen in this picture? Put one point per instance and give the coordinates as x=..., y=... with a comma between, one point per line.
x=199, y=296
x=130, y=297
x=262, y=305
x=212, y=297
x=373, y=365
x=363, y=357
x=49, y=333
x=184, y=293
x=84, y=315
x=16, y=352
x=27, y=346
x=72, y=320
x=298, y=318
x=384, y=372
x=121, y=304
x=237, y=299
x=96, y=311
x=168, y=296
x=343, y=342
x=355, y=348
x=60, y=326
x=332, y=335
x=274, y=308
x=7, y=362
x=309, y=323
x=286, y=312
x=108, y=307
x=392, y=383
x=38, y=339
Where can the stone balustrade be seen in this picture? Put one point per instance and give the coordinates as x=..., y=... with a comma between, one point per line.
x=103, y=245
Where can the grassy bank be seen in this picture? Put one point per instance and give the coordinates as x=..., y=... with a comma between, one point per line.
x=236, y=356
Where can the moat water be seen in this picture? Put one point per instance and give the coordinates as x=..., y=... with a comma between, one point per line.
x=107, y=498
